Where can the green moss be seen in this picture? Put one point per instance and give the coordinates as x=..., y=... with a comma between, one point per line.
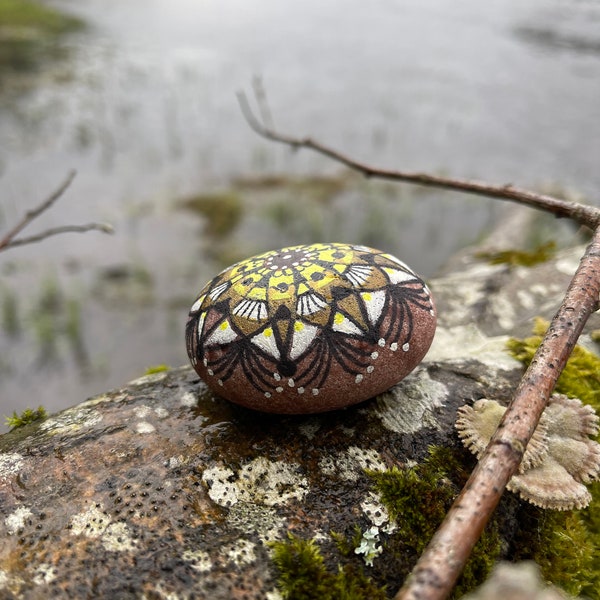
x=418, y=499
x=522, y=258
x=27, y=416
x=156, y=369
x=302, y=575
x=591, y=519
x=580, y=377
x=561, y=544
x=223, y=212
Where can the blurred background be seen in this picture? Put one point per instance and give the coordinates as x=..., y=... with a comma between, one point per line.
x=139, y=97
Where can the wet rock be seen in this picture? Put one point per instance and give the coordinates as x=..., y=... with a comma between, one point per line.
x=312, y=328
x=163, y=489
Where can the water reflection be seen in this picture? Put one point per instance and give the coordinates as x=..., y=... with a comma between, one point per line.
x=145, y=109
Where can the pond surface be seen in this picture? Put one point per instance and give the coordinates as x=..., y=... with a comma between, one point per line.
x=145, y=110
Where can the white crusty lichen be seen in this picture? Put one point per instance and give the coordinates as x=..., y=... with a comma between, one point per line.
x=240, y=552
x=44, y=574
x=262, y=481
x=560, y=458
x=377, y=513
x=72, y=420
x=350, y=464
x=16, y=520
x=199, y=560
x=474, y=344
x=11, y=464
x=96, y=523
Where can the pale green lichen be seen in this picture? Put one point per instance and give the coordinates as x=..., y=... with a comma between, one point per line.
x=254, y=519
x=369, y=546
x=96, y=523
x=71, y=421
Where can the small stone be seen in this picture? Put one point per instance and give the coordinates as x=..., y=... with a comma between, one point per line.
x=341, y=322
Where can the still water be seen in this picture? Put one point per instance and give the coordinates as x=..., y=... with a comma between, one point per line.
x=145, y=110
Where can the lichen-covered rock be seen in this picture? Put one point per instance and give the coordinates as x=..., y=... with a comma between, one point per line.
x=308, y=329
x=164, y=490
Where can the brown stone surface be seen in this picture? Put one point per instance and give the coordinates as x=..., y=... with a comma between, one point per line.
x=163, y=490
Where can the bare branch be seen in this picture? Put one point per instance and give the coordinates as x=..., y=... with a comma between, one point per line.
x=440, y=565
x=30, y=215
x=103, y=227
x=581, y=213
x=9, y=241
x=443, y=560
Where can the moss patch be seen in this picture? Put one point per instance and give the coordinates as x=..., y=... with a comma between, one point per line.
x=302, y=575
x=580, y=377
x=418, y=499
x=561, y=544
x=522, y=258
x=27, y=416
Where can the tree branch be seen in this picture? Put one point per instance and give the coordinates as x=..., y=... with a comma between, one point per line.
x=581, y=213
x=9, y=241
x=444, y=558
x=103, y=227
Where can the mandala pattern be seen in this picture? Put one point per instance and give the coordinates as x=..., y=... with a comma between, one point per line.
x=285, y=319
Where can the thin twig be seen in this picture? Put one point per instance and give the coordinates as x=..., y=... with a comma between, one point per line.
x=444, y=558
x=103, y=227
x=9, y=241
x=30, y=215
x=581, y=213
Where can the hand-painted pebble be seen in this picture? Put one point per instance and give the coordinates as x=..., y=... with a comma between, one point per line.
x=311, y=328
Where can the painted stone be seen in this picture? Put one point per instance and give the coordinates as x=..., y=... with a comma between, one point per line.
x=310, y=328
